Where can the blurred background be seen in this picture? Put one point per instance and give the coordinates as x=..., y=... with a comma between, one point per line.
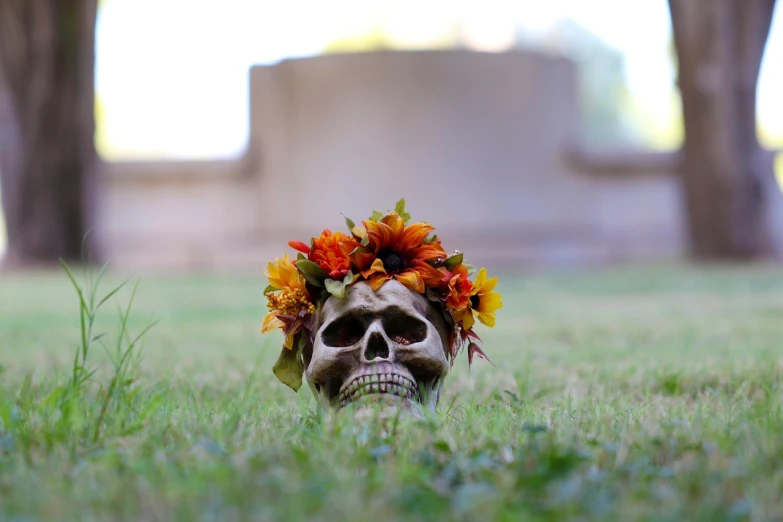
x=198, y=135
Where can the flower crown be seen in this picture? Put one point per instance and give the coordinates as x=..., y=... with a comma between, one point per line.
x=386, y=247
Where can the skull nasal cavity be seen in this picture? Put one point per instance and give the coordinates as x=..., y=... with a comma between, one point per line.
x=376, y=348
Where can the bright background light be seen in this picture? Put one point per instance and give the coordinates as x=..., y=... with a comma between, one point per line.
x=172, y=74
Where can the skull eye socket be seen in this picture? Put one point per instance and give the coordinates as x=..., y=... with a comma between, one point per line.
x=345, y=331
x=404, y=329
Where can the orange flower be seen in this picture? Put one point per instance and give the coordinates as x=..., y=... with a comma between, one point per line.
x=298, y=245
x=482, y=300
x=399, y=252
x=330, y=252
x=458, y=287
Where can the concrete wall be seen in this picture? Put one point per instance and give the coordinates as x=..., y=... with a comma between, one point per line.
x=479, y=144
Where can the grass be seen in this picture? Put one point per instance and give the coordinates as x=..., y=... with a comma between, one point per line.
x=632, y=394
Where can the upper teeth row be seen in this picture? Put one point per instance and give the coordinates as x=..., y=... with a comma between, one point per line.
x=395, y=378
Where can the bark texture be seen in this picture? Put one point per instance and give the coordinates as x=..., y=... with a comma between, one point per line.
x=47, y=126
x=720, y=44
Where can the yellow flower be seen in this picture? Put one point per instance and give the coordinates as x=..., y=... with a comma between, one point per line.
x=271, y=322
x=283, y=274
x=483, y=301
x=287, y=303
x=292, y=298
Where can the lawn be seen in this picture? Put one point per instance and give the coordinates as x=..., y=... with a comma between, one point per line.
x=646, y=393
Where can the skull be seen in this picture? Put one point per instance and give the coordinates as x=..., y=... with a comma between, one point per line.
x=387, y=345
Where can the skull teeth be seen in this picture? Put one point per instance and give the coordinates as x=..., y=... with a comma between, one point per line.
x=379, y=383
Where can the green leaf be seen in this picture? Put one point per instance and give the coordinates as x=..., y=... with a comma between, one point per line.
x=376, y=216
x=399, y=208
x=300, y=256
x=337, y=288
x=452, y=262
x=314, y=274
x=268, y=289
x=366, y=240
x=359, y=232
x=350, y=223
x=429, y=294
x=471, y=269
x=289, y=367
x=431, y=239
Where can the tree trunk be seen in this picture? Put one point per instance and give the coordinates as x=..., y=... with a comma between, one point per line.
x=720, y=44
x=47, y=126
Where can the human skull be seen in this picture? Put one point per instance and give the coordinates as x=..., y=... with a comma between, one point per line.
x=387, y=345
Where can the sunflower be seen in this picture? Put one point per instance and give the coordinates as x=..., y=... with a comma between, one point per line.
x=482, y=301
x=396, y=251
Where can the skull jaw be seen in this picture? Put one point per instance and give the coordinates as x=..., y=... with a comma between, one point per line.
x=382, y=406
x=425, y=400
x=381, y=386
x=385, y=406
x=379, y=378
